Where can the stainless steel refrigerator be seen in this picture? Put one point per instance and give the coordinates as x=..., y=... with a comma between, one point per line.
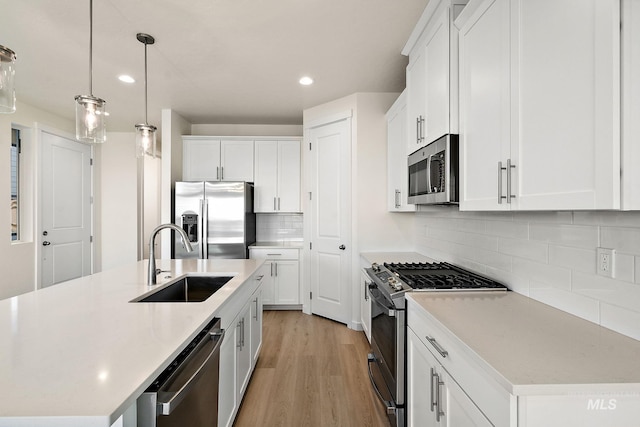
x=218, y=217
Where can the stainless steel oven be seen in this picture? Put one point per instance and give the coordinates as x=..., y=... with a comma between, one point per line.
x=186, y=393
x=386, y=360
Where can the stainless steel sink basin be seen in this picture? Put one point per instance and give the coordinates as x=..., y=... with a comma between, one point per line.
x=186, y=289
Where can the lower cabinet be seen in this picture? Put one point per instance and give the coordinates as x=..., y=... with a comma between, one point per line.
x=239, y=352
x=365, y=304
x=433, y=397
x=281, y=283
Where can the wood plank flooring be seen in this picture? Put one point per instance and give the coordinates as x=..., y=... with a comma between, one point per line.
x=311, y=372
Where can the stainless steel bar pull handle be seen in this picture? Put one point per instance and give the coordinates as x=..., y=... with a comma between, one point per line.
x=278, y=203
x=417, y=130
x=509, y=167
x=500, y=196
x=256, y=302
x=218, y=173
x=437, y=346
x=222, y=173
x=439, y=411
x=397, y=199
x=274, y=204
x=432, y=392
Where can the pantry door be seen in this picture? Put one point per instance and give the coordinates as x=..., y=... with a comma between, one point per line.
x=330, y=206
x=65, y=208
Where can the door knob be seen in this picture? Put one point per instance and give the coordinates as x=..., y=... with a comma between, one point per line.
x=45, y=243
x=342, y=247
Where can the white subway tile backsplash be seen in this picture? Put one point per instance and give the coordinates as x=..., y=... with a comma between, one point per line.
x=535, y=251
x=567, y=235
x=279, y=227
x=550, y=256
x=573, y=258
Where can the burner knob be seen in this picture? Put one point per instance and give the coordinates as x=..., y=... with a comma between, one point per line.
x=375, y=267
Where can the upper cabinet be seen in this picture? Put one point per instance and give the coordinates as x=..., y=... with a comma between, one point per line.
x=277, y=176
x=397, y=174
x=540, y=104
x=216, y=159
x=432, y=74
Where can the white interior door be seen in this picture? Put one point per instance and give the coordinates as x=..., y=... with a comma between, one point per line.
x=330, y=254
x=65, y=235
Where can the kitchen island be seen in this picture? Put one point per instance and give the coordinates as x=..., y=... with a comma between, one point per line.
x=80, y=353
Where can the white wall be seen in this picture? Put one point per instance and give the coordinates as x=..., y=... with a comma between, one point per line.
x=17, y=260
x=549, y=256
x=118, y=200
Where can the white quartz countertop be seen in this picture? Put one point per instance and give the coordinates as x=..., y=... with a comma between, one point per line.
x=277, y=245
x=79, y=353
x=381, y=257
x=532, y=348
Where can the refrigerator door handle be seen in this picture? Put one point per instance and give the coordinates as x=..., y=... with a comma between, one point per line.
x=204, y=229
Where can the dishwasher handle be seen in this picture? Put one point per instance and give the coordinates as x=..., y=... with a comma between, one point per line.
x=192, y=369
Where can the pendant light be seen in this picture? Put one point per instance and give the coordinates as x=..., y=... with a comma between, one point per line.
x=7, y=72
x=90, y=111
x=145, y=133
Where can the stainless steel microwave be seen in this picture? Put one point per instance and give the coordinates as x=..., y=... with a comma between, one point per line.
x=434, y=173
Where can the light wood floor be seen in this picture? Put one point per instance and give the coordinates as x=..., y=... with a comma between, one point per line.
x=311, y=372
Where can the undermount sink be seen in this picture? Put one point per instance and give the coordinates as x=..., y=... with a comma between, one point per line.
x=186, y=289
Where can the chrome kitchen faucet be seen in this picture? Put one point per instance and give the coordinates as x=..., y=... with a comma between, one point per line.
x=151, y=280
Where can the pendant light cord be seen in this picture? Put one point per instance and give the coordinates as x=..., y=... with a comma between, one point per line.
x=146, y=120
x=91, y=47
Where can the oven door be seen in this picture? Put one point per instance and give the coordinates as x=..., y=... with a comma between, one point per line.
x=386, y=361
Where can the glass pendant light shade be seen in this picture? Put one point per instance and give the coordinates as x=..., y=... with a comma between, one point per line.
x=145, y=140
x=7, y=73
x=90, y=119
x=91, y=116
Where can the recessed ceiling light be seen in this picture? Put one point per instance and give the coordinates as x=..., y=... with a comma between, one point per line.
x=306, y=81
x=127, y=79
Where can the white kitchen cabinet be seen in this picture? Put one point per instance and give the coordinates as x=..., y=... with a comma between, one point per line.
x=216, y=159
x=239, y=351
x=365, y=304
x=433, y=396
x=539, y=105
x=397, y=171
x=432, y=74
x=277, y=176
x=281, y=270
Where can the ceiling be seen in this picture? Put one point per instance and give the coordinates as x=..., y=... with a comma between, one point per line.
x=214, y=61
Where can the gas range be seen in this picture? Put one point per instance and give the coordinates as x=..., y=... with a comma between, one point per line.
x=394, y=279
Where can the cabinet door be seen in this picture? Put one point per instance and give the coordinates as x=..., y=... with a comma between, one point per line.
x=227, y=388
x=566, y=135
x=419, y=383
x=266, y=176
x=397, y=176
x=201, y=160
x=365, y=304
x=268, y=282
x=256, y=326
x=459, y=409
x=437, y=78
x=416, y=92
x=484, y=105
x=236, y=160
x=287, y=282
x=244, y=355
x=288, y=176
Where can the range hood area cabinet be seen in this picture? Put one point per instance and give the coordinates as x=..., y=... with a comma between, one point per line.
x=206, y=158
x=277, y=176
x=540, y=105
x=432, y=74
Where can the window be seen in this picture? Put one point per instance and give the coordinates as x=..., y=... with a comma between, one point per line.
x=15, y=184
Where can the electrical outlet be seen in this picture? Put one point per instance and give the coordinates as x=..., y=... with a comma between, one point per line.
x=605, y=261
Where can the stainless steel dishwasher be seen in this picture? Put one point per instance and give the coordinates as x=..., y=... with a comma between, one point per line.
x=186, y=393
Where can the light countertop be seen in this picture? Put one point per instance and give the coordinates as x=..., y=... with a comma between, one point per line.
x=533, y=348
x=277, y=245
x=80, y=351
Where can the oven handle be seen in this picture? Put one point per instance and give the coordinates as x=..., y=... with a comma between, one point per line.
x=381, y=302
x=391, y=409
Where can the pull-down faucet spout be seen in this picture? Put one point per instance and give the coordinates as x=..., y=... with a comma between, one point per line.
x=151, y=280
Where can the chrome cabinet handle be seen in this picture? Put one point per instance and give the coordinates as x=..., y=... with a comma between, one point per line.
x=439, y=411
x=274, y=204
x=218, y=173
x=509, y=167
x=276, y=264
x=397, y=199
x=239, y=341
x=366, y=288
x=256, y=316
x=437, y=346
x=272, y=268
x=278, y=203
x=433, y=402
x=417, y=130
x=500, y=196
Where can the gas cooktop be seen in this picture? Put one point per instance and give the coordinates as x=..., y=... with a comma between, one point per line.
x=394, y=279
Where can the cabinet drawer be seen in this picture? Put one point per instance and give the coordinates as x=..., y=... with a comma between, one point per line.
x=463, y=365
x=266, y=253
